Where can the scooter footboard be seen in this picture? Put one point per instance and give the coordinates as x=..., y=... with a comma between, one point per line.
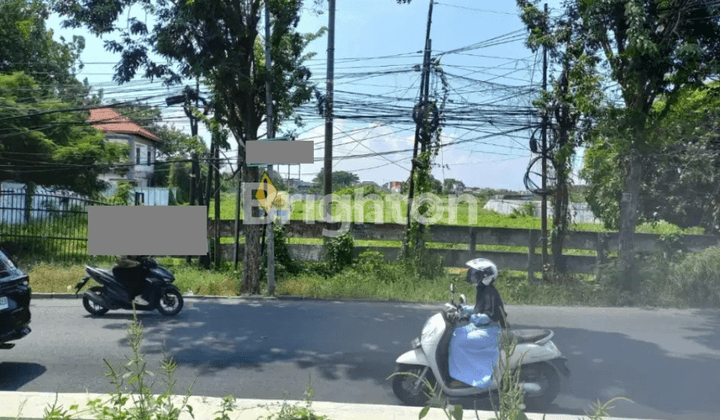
x=414, y=357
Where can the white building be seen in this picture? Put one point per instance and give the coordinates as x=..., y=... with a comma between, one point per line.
x=143, y=146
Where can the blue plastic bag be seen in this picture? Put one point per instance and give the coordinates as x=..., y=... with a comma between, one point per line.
x=474, y=351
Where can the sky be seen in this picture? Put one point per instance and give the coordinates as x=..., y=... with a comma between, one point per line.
x=488, y=72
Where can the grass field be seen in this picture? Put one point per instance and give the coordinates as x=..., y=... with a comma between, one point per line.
x=396, y=211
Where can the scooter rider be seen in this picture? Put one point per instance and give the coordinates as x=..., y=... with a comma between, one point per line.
x=487, y=298
x=130, y=270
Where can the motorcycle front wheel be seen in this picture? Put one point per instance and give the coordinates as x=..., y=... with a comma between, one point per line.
x=92, y=307
x=403, y=385
x=169, y=302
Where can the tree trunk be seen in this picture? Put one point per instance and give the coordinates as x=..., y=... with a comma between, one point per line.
x=561, y=201
x=251, y=262
x=628, y=221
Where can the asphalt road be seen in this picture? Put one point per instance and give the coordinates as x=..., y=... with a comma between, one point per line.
x=666, y=361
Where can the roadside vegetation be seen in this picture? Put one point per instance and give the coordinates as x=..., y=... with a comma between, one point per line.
x=673, y=278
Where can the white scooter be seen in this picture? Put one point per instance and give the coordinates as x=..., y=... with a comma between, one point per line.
x=428, y=359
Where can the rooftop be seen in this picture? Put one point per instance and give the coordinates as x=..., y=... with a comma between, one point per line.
x=109, y=121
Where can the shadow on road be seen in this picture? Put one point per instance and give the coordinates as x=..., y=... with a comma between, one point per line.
x=15, y=375
x=357, y=343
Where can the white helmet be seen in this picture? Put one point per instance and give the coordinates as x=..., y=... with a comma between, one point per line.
x=481, y=271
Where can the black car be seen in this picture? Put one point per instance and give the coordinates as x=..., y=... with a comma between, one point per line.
x=14, y=302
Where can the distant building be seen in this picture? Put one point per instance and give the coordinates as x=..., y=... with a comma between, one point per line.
x=143, y=146
x=300, y=185
x=369, y=184
x=395, y=187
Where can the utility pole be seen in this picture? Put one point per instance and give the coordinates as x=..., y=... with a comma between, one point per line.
x=327, y=173
x=270, y=135
x=423, y=90
x=544, y=166
x=217, y=206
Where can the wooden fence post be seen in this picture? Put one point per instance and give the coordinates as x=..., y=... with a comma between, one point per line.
x=473, y=244
x=531, y=255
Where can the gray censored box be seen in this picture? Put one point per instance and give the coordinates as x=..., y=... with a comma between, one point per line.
x=147, y=230
x=280, y=152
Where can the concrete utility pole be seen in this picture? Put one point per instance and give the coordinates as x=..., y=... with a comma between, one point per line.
x=423, y=98
x=217, y=206
x=270, y=135
x=544, y=166
x=327, y=173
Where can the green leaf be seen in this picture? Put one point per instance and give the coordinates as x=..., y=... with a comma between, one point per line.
x=521, y=416
x=458, y=412
x=424, y=412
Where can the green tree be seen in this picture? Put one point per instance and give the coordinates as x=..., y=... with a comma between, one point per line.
x=574, y=97
x=217, y=41
x=26, y=45
x=450, y=185
x=652, y=49
x=340, y=180
x=680, y=182
x=46, y=145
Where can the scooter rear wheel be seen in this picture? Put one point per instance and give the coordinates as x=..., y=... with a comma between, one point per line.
x=547, y=377
x=404, y=385
x=92, y=307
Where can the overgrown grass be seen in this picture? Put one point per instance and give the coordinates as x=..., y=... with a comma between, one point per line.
x=688, y=282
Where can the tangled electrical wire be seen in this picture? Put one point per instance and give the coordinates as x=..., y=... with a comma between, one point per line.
x=542, y=154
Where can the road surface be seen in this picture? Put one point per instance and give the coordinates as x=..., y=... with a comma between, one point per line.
x=666, y=361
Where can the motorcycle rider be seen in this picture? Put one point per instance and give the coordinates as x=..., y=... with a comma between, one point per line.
x=130, y=270
x=487, y=298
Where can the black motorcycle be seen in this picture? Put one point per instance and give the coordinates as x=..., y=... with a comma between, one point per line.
x=14, y=302
x=114, y=294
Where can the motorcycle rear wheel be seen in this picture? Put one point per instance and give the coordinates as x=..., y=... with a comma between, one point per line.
x=92, y=307
x=403, y=385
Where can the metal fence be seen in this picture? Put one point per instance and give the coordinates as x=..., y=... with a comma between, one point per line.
x=47, y=226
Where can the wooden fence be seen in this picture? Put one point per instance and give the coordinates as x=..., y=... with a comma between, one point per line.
x=530, y=261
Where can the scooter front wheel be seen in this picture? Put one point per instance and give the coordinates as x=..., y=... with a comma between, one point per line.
x=404, y=384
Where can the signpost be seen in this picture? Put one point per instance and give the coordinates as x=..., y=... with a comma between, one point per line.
x=272, y=200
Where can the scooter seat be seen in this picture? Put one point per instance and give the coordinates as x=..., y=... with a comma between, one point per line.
x=529, y=336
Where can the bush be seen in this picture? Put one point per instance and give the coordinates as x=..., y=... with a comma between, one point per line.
x=284, y=263
x=340, y=252
x=697, y=278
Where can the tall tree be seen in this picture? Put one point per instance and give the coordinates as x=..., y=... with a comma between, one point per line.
x=652, y=48
x=680, y=184
x=26, y=45
x=218, y=41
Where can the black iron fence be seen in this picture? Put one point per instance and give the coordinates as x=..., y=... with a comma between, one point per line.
x=46, y=226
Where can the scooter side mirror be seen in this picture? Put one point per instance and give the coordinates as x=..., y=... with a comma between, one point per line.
x=463, y=299
x=452, y=288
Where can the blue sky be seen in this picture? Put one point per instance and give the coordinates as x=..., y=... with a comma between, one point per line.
x=379, y=36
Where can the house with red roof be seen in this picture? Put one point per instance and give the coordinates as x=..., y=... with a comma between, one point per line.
x=143, y=146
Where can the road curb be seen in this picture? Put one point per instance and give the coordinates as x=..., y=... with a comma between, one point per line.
x=33, y=405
